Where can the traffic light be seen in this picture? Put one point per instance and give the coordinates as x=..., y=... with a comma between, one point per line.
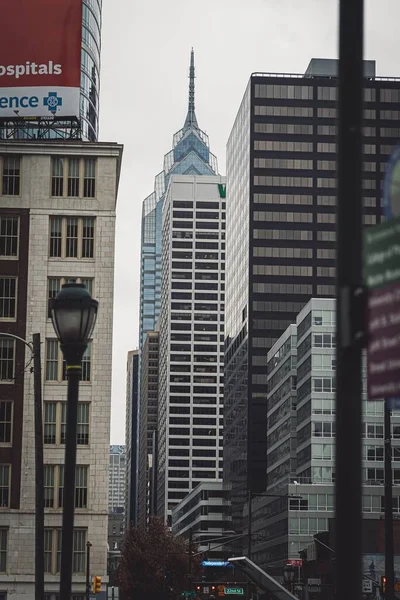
x=96, y=585
x=383, y=584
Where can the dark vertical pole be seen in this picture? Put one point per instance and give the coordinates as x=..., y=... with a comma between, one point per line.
x=69, y=484
x=190, y=558
x=39, y=470
x=389, y=550
x=88, y=546
x=349, y=278
x=250, y=522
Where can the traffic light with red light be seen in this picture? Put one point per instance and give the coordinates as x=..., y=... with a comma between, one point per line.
x=96, y=585
x=383, y=584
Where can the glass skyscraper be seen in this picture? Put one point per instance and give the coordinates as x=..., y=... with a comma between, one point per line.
x=90, y=69
x=190, y=155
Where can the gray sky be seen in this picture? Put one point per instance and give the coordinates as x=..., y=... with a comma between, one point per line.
x=145, y=60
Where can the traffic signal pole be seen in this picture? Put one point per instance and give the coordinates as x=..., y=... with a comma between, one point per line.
x=350, y=298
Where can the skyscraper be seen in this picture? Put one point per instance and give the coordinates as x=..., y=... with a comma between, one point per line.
x=281, y=232
x=131, y=432
x=117, y=480
x=148, y=426
x=190, y=409
x=190, y=155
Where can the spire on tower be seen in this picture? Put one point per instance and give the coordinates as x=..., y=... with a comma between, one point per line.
x=191, y=120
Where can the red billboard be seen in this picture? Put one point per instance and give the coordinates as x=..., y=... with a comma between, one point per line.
x=40, y=57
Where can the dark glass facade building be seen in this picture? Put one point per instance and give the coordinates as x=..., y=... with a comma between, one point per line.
x=281, y=233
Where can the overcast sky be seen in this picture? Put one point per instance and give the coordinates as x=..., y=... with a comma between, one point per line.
x=145, y=60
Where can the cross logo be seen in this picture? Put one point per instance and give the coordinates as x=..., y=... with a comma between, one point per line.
x=52, y=102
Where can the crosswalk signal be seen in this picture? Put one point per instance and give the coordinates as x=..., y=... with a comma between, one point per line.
x=383, y=584
x=96, y=584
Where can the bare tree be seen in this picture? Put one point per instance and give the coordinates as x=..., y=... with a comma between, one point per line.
x=154, y=564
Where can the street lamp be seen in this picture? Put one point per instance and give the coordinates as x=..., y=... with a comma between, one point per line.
x=73, y=314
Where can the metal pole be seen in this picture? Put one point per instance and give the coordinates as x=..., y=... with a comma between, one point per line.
x=190, y=556
x=88, y=546
x=349, y=278
x=39, y=470
x=389, y=550
x=250, y=523
x=73, y=374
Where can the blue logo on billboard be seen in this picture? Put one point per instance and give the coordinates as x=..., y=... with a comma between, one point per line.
x=52, y=102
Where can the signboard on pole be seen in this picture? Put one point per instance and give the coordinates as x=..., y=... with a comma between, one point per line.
x=382, y=276
x=295, y=562
x=40, y=58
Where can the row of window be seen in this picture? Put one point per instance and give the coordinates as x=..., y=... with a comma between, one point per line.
x=70, y=177
x=306, y=92
x=284, y=217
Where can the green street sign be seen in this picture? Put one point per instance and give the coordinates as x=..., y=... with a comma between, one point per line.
x=382, y=254
x=234, y=591
x=188, y=594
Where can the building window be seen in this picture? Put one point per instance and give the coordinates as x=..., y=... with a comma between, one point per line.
x=9, y=236
x=55, y=363
x=5, y=484
x=11, y=175
x=54, y=486
x=55, y=414
x=55, y=284
x=6, y=413
x=3, y=550
x=7, y=359
x=73, y=177
x=52, y=539
x=71, y=237
x=89, y=178
x=8, y=298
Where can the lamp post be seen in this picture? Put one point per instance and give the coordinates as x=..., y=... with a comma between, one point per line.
x=73, y=314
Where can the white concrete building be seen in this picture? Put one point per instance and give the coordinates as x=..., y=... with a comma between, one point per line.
x=57, y=225
x=191, y=337
x=117, y=479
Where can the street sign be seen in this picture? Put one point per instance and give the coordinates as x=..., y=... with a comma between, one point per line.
x=382, y=276
x=234, y=591
x=215, y=563
x=189, y=594
x=366, y=586
x=295, y=562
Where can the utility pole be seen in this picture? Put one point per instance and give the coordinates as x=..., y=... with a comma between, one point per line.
x=88, y=546
x=190, y=558
x=389, y=550
x=250, y=523
x=350, y=303
x=39, y=469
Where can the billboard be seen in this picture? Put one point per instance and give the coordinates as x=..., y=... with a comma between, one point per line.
x=40, y=58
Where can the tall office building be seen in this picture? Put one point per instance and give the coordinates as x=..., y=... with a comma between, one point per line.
x=301, y=434
x=190, y=409
x=281, y=232
x=190, y=156
x=131, y=435
x=148, y=411
x=117, y=480
x=54, y=230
